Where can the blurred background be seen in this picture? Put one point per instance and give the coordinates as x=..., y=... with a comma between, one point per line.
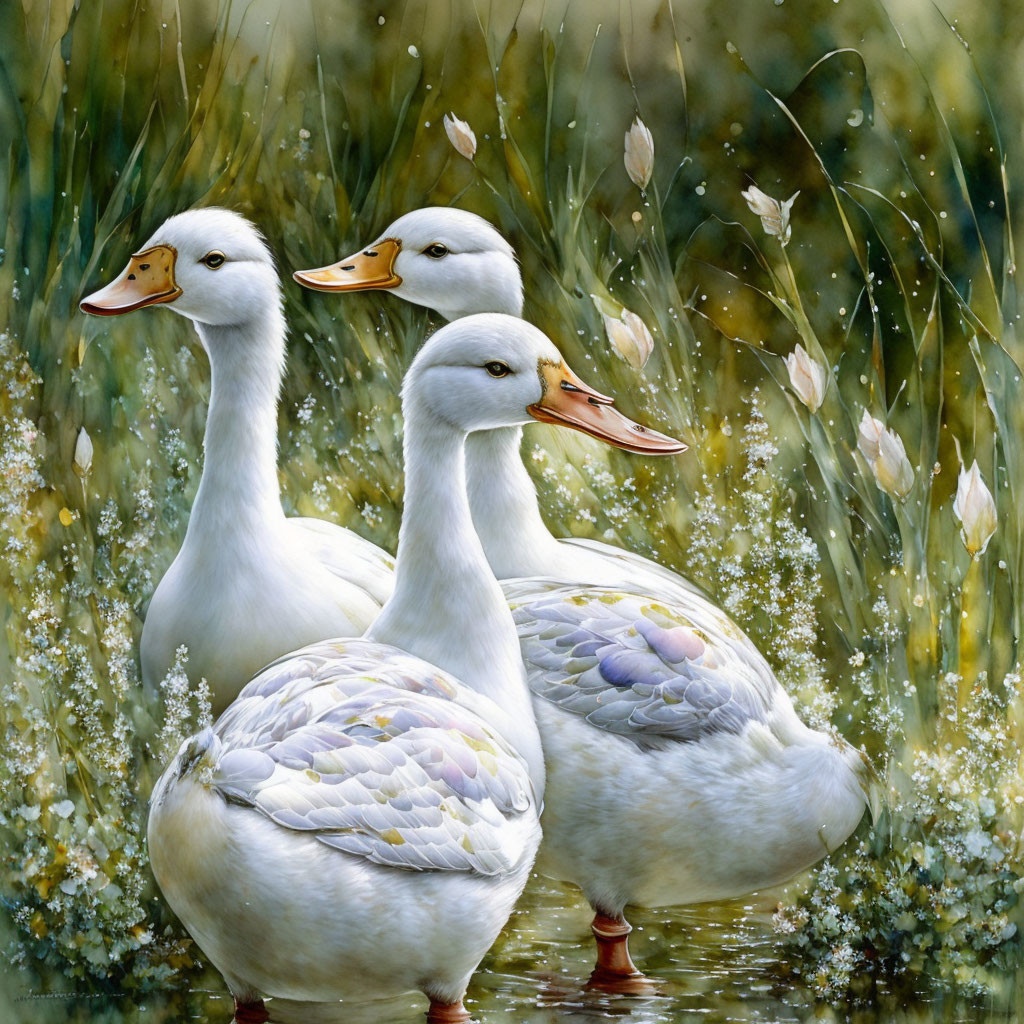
x=899, y=125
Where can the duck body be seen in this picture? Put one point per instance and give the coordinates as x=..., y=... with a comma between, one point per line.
x=248, y=584
x=678, y=771
x=352, y=802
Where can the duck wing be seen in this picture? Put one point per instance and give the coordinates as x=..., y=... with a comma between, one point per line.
x=370, y=750
x=655, y=671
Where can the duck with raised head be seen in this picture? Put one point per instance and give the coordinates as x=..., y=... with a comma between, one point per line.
x=678, y=770
x=249, y=583
x=362, y=819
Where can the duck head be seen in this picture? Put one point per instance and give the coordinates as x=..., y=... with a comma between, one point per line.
x=210, y=265
x=446, y=259
x=492, y=370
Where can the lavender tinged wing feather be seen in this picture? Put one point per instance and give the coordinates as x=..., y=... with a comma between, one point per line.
x=654, y=672
x=367, y=749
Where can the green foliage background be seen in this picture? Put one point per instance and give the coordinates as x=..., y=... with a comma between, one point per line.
x=898, y=123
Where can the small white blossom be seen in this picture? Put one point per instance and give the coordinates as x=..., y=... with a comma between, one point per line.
x=892, y=469
x=83, y=453
x=774, y=216
x=461, y=136
x=64, y=809
x=807, y=376
x=639, y=155
x=886, y=455
x=975, y=507
x=869, y=436
x=630, y=338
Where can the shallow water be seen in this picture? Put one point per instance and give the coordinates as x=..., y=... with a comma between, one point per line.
x=717, y=964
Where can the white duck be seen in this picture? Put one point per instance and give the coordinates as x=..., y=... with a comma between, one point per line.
x=678, y=771
x=363, y=818
x=249, y=584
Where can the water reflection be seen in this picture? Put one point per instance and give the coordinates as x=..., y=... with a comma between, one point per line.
x=714, y=965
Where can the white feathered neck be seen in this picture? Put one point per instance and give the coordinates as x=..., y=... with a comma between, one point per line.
x=239, y=490
x=506, y=513
x=447, y=606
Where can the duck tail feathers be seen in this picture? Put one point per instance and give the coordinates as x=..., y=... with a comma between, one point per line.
x=198, y=752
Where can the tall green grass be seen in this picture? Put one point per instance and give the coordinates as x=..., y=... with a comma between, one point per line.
x=323, y=123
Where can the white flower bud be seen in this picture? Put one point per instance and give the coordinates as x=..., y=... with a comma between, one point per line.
x=630, y=338
x=892, y=469
x=869, y=435
x=975, y=507
x=639, y=156
x=83, y=453
x=807, y=376
x=774, y=217
x=461, y=136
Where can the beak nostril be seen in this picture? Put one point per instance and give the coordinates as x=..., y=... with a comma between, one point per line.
x=131, y=277
x=350, y=266
x=594, y=402
x=143, y=266
x=639, y=428
x=371, y=254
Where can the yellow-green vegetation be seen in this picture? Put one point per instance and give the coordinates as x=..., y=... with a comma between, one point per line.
x=834, y=363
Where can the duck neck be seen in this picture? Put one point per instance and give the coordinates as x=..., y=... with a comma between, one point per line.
x=239, y=492
x=447, y=607
x=505, y=510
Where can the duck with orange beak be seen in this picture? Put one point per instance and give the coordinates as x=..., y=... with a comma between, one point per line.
x=678, y=770
x=249, y=583
x=362, y=819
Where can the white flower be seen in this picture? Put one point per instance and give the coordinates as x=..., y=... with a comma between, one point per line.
x=64, y=809
x=807, y=376
x=869, y=435
x=83, y=453
x=892, y=469
x=976, y=510
x=886, y=455
x=460, y=135
x=630, y=338
x=639, y=156
x=774, y=217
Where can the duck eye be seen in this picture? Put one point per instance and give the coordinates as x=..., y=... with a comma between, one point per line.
x=436, y=250
x=214, y=259
x=496, y=369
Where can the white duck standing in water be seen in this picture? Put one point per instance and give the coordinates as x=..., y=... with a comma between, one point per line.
x=678, y=770
x=249, y=584
x=362, y=819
